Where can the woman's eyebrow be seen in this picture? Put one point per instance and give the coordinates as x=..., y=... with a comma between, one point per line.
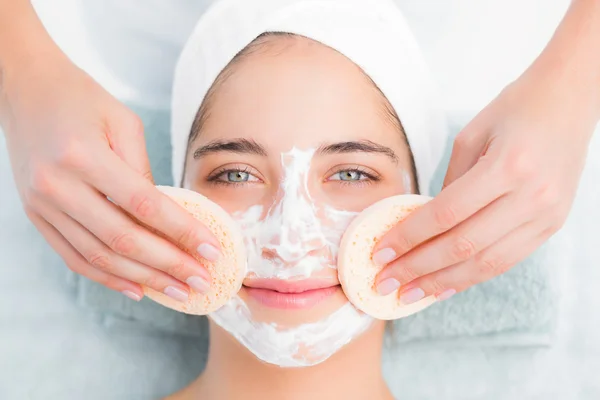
x=245, y=146
x=361, y=146
x=241, y=146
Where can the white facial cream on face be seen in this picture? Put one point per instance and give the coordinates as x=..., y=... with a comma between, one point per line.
x=295, y=237
x=292, y=239
x=407, y=182
x=301, y=346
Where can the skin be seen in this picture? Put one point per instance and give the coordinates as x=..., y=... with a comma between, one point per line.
x=294, y=93
x=513, y=175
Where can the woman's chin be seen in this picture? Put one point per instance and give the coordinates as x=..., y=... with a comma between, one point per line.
x=292, y=309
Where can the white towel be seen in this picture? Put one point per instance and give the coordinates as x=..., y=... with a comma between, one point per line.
x=373, y=34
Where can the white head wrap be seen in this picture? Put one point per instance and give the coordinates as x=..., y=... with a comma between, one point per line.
x=373, y=34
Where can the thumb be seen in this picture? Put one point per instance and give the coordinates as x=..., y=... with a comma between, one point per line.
x=125, y=135
x=469, y=145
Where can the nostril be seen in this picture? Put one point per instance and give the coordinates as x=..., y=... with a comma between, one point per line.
x=269, y=254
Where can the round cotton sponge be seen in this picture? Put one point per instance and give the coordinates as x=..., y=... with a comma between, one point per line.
x=227, y=272
x=356, y=270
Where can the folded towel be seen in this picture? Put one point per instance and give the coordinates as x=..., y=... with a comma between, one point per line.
x=519, y=308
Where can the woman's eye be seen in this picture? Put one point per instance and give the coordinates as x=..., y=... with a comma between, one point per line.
x=349, y=176
x=235, y=176
x=238, y=176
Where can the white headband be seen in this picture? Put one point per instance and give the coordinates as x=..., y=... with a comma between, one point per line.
x=373, y=34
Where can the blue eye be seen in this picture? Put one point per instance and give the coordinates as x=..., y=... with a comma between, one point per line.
x=238, y=176
x=233, y=176
x=349, y=175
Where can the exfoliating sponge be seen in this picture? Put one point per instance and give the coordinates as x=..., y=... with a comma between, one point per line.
x=227, y=273
x=356, y=269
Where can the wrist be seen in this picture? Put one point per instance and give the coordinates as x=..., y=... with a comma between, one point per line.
x=24, y=42
x=26, y=50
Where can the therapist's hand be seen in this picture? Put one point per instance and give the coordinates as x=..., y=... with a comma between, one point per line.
x=72, y=145
x=510, y=184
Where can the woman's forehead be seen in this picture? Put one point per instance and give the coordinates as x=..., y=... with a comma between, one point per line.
x=300, y=84
x=304, y=95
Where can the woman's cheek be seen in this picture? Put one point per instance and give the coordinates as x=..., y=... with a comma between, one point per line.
x=358, y=196
x=232, y=198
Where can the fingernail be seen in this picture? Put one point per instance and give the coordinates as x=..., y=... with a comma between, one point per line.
x=446, y=294
x=132, y=295
x=384, y=256
x=198, y=284
x=387, y=286
x=176, y=294
x=412, y=296
x=209, y=252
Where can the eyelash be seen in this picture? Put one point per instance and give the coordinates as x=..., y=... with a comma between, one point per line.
x=360, y=182
x=214, y=177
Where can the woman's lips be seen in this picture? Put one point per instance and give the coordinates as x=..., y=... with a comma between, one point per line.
x=288, y=295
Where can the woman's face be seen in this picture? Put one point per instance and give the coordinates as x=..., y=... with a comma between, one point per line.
x=296, y=142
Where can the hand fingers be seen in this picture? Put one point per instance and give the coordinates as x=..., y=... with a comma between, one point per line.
x=492, y=262
x=141, y=199
x=126, y=139
x=457, y=245
x=105, y=260
x=466, y=196
x=76, y=263
x=127, y=242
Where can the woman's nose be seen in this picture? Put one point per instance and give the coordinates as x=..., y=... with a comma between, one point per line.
x=301, y=230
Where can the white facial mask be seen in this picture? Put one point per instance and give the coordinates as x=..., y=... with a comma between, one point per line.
x=294, y=238
x=301, y=346
x=407, y=182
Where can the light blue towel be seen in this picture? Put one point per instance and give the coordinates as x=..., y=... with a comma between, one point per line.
x=519, y=308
